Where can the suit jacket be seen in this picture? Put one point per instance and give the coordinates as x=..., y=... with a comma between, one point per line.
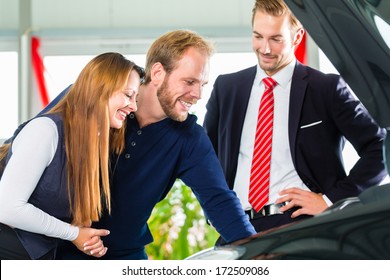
x=322, y=112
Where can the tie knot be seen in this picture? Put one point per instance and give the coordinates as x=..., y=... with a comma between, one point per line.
x=269, y=83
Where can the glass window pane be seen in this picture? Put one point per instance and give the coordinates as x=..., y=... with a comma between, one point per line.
x=61, y=71
x=222, y=63
x=8, y=93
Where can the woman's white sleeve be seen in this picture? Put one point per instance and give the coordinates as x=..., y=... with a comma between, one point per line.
x=32, y=151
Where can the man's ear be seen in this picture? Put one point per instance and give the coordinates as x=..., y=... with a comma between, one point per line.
x=298, y=36
x=157, y=74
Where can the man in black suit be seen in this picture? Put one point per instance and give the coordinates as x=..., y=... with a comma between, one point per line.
x=313, y=115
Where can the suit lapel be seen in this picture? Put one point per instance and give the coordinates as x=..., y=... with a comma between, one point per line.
x=237, y=117
x=241, y=104
x=297, y=94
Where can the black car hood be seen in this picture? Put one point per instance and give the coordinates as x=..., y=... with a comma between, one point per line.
x=348, y=33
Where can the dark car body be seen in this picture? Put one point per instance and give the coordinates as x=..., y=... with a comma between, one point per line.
x=351, y=229
x=355, y=36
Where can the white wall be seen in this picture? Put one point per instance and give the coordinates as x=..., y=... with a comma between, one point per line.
x=127, y=13
x=9, y=14
x=93, y=26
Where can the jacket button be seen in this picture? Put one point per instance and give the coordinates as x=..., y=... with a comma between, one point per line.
x=127, y=156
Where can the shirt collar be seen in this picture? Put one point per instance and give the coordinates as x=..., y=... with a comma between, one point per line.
x=282, y=77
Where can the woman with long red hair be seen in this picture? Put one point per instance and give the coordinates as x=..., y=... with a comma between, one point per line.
x=56, y=181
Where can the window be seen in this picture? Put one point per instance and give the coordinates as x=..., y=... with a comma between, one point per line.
x=63, y=70
x=222, y=63
x=8, y=93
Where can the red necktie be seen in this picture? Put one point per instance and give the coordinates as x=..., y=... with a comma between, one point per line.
x=260, y=171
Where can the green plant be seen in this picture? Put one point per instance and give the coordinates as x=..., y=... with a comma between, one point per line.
x=178, y=226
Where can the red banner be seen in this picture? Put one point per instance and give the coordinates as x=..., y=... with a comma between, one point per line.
x=39, y=69
x=300, y=51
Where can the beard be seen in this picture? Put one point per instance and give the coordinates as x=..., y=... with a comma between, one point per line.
x=268, y=67
x=168, y=103
x=276, y=63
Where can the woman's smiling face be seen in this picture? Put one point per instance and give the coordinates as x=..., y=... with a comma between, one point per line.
x=123, y=101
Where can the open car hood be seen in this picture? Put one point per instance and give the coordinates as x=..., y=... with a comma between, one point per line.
x=352, y=34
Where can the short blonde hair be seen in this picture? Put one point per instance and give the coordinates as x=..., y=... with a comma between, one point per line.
x=276, y=8
x=169, y=48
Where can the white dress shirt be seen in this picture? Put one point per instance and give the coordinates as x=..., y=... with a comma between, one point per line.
x=283, y=174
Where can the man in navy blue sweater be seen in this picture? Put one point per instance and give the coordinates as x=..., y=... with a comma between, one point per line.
x=163, y=143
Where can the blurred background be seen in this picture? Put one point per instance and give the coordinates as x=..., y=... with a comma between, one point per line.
x=44, y=44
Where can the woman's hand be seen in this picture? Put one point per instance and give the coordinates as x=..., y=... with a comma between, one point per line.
x=89, y=241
